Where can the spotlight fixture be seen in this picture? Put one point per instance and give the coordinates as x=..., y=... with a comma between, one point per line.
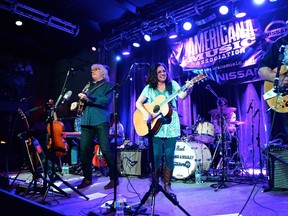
x=18, y=23
x=239, y=11
x=136, y=44
x=223, y=9
x=147, y=37
x=173, y=32
x=187, y=25
x=126, y=50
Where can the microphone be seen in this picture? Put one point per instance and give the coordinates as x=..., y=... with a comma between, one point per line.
x=280, y=59
x=25, y=99
x=66, y=96
x=208, y=87
x=142, y=64
x=34, y=109
x=250, y=106
x=257, y=111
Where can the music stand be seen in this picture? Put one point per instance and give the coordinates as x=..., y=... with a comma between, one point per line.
x=155, y=187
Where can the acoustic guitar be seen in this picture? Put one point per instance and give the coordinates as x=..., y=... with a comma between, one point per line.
x=158, y=110
x=34, y=150
x=98, y=159
x=277, y=103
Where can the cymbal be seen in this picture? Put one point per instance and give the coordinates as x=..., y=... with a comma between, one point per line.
x=225, y=111
x=237, y=122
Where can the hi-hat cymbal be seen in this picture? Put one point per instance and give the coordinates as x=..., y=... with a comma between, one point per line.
x=225, y=111
x=237, y=122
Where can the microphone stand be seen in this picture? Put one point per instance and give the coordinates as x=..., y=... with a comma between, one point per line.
x=258, y=145
x=155, y=186
x=54, y=175
x=252, y=142
x=224, y=161
x=115, y=116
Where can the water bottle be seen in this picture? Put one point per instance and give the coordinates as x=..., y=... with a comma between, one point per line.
x=198, y=176
x=120, y=205
x=65, y=168
x=74, y=155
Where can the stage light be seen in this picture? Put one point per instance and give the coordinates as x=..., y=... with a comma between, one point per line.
x=173, y=32
x=19, y=22
x=258, y=2
x=239, y=10
x=187, y=25
x=136, y=44
x=147, y=37
x=223, y=9
x=118, y=58
x=126, y=50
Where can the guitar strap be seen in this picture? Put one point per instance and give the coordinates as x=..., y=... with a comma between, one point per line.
x=170, y=90
x=92, y=90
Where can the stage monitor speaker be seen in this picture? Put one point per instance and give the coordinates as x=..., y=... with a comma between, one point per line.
x=16, y=205
x=133, y=162
x=278, y=167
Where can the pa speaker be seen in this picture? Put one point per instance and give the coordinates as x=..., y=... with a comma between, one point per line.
x=278, y=167
x=15, y=204
x=133, y=162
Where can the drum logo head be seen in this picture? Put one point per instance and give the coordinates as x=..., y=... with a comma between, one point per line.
x=178, y=148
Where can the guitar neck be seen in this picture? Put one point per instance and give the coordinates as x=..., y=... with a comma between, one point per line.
x=168, y=99
x=194, y=80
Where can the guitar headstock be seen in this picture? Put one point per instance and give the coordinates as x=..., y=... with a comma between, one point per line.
x=22, y=114
x=199, y=77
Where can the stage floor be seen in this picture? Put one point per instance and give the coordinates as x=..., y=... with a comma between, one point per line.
x=242, y=194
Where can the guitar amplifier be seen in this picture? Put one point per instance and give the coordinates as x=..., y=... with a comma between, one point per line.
x=133, y=162
x=278, y=167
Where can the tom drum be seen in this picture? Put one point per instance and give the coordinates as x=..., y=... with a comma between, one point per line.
x=187, y=155
x=204, y=132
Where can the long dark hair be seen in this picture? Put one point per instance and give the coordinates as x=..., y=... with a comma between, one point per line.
x=152, y=75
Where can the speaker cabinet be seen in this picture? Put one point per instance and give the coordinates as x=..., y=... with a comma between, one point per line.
x=278, y=167
x=133, y=162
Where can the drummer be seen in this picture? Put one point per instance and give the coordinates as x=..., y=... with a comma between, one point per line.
x=229, y=116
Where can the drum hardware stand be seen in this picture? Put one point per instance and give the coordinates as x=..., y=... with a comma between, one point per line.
x=215, y=166
x=238, y=156
x=155, y=186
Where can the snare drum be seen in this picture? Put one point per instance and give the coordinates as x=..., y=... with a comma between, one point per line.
x=186, y=157
x=204, y=132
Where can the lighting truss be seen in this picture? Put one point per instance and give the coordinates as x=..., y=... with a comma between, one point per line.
x=157, y=28
x=39, y=16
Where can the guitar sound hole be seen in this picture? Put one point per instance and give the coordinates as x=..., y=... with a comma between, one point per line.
x=286, y=104
x=156, y=108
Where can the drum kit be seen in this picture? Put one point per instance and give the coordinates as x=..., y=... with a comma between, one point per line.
x=200, y=147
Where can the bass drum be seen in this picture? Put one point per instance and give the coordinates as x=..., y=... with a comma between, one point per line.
x=186, y=157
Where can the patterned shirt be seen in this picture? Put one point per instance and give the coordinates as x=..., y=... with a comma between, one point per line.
x=166, y=130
